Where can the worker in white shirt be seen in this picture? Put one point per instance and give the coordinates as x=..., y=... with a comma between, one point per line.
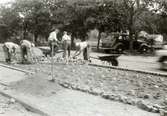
x=26, y=47
x=9, y=49
x=80, y=47
x=66, y=39
x=53, y=41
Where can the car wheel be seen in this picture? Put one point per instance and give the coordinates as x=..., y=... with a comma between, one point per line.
x=144, y=49
x=120, y=49
x=107, y=51
x=115, y=62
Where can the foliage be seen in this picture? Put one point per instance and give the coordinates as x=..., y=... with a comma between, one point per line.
x=39, y=16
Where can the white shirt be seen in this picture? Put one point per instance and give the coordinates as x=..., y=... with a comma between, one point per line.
x=27, y=43
x=11, y=45
x=53, y=36
x=82, y=45
x=66, y=37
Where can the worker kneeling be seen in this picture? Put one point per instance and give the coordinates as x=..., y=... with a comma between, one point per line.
x=26, y=51
x=9, y=49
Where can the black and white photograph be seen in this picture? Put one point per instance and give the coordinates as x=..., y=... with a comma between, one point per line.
x=83, y=57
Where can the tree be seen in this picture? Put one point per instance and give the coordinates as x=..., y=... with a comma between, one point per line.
x=76, y=16
x=110, y=17
x=10, y=21
x=133, y=10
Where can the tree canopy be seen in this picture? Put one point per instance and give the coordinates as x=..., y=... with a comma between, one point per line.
x=77, y=16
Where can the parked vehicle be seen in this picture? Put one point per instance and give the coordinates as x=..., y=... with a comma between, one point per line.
x=153, y=41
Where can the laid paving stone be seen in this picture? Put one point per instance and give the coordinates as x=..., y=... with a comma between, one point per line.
x=97, y=91
x=123, y=99
x=157, y=106
x=131, y=93
x=112, y=97
x=163, y=113
x=12, y=101
x=106, y=95
x=157, y=96
x=115, y=88
x=141, y=104
x=131, y=101
x=147, y=96
x=155, y=110
x=165, y=100
x=156, y=86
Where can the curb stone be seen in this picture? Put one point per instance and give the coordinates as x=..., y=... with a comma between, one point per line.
x=154, y=108
x=126, y=69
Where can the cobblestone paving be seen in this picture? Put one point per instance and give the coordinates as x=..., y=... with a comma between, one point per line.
x=150, y=88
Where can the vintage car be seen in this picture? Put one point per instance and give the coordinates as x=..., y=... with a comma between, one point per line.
x=118, y=42
x=153, y=41
x=144, y=42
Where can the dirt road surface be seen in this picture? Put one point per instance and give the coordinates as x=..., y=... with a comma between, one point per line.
x=143, y=63
x=10, y=108
x=73, y=103
x=6, y=78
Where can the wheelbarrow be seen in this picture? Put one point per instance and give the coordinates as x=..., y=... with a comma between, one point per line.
x=111, y=59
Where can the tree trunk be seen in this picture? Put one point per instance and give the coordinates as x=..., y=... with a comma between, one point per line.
x=35, y=38
x=131, y=41
x=98, y=43
x=130, y=26
x=72, y=43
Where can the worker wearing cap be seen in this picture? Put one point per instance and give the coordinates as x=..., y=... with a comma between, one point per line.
x=9, y=49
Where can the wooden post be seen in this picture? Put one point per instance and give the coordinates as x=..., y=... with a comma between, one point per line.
x=52, y=63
